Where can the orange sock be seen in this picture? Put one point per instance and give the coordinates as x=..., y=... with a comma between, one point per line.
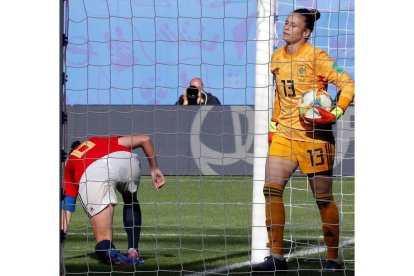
x=330, y=223
x=275, y=216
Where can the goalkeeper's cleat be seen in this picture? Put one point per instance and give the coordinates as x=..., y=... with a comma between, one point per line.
x=333, y=266
x=135, y=257
x=271, y=264
x=116, y=258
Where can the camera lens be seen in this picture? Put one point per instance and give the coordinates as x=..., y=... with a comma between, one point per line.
x=192, y=92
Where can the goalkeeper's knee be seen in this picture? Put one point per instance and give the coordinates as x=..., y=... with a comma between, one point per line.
x=102, y=248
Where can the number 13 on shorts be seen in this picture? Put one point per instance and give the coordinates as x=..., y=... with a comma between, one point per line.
x=312, y=157
x=320, y=157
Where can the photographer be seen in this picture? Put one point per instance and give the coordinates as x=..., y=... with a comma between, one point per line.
x=195, y=95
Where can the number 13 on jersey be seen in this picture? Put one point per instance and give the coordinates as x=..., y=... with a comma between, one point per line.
x=288, y=88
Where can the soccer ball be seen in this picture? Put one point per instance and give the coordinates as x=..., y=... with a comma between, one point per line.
x=312, y=98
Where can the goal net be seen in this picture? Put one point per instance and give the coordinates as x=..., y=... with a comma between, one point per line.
x=126, y=62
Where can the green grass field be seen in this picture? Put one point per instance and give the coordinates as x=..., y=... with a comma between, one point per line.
x=203, y=223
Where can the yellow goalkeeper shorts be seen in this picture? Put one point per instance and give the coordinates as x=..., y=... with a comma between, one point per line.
x=312, y=157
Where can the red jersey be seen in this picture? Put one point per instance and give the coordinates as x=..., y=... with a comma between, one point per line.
x=83, y=156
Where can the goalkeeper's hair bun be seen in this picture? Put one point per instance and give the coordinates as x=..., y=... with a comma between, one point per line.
x=316, y=13
x=311, y=16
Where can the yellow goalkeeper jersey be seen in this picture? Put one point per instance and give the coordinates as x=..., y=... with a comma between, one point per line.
x=308, y=68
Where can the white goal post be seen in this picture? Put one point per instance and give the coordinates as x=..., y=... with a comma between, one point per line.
x=263, y=107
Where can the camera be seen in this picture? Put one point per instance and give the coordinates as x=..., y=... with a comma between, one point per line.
x=192, y=94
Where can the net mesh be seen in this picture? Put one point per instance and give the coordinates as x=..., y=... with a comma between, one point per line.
x=127, y=62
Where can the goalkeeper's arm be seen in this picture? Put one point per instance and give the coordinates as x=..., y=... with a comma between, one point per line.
x=345, y=84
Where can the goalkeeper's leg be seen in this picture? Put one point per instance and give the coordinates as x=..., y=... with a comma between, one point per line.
x=278, y=173
x=321, y=185
x=275, y=216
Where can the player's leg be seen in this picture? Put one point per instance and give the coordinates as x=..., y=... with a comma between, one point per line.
x=132, y=221
x=102, y=229
x=102, y=224
x=98, y=197
x=127, y=171
x=279, y=169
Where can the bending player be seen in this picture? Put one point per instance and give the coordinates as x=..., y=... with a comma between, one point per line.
x=93, y=170
x=299, y=67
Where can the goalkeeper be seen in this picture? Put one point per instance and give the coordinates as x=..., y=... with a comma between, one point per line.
x=297, y=68
x=93, y=170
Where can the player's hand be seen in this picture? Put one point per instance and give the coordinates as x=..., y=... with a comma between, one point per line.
x=272, y=129
x=157, y=178
x=327, y=118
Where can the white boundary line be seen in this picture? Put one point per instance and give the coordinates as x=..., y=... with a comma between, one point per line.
x=121, y=234
x=317, y=249
x=221, y=269
x=300, y=253
x=164, y=235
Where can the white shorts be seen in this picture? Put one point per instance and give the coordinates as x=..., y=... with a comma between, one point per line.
x=119, y=170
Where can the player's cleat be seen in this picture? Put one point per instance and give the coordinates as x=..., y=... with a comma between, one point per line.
x=271, y=264
x=333, y=266
x=116, y=258
x=135, y=257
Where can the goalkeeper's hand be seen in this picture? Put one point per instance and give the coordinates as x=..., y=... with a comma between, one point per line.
x=272, y=129
x=327, y=117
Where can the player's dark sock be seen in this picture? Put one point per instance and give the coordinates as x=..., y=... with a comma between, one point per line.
x=101, y=249
x=132, y=219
